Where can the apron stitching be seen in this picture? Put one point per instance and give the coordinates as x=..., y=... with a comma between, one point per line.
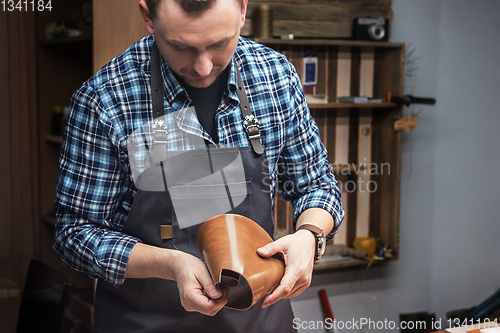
x=163, y=174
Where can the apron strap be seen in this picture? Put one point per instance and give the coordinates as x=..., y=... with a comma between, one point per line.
x=156, y=83
x=250, y=123
x=159, y=127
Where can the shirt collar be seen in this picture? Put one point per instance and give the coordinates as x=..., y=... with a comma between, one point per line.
x=174, y=90
x=171, y=85
x=233, y=81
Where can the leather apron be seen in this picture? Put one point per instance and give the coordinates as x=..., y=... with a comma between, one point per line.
x=153, y=305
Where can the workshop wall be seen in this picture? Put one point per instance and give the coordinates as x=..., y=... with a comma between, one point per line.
x=18, y=168
x=449, y=188
x=465, y=252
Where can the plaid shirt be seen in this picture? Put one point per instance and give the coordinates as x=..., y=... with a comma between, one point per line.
x=96, y=188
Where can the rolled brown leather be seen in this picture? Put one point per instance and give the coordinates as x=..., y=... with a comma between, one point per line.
x=229, y=246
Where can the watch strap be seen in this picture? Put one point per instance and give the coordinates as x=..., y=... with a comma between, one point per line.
x=314, y=229
x=318, y=232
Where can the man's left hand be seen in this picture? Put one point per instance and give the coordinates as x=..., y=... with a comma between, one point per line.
x=298, y=253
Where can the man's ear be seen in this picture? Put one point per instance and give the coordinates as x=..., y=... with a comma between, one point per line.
x=243, y=13
x=146, y=16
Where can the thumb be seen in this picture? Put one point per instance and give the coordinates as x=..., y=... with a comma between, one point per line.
x=268, y=250
x=210, y=288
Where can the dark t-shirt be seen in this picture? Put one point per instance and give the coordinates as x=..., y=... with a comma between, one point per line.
x=206, y=101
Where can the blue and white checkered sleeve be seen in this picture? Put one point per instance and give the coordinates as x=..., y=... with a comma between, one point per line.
x=307, y=179
x=90, y=188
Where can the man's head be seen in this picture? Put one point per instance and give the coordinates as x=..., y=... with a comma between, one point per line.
x=196, y=43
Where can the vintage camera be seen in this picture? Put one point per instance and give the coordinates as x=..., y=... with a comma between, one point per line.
x=374, y=29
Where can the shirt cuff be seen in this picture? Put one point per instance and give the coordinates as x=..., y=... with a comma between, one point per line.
x=327, y=200
x=110, y=262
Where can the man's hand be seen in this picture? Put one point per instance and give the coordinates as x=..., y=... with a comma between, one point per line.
x=298, y=251
x=196, y=288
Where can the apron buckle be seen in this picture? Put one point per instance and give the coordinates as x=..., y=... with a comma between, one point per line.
x=251, y=125
x=252, y=128
x=160, y=132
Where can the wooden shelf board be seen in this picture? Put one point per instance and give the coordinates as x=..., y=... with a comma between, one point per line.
x=327, y=42
x=66, y=40
x=348, y=263
x=54, y=138
x=351, y=105
x=49, y=219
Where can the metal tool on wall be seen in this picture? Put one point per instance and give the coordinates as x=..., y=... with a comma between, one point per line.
x=408, y=123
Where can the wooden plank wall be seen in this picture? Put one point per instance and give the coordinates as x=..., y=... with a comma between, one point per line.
x=113, y=18
x=18, y=168
x=318, y=18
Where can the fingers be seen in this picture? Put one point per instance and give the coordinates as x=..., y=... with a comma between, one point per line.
x=291, y=286
x=299, y=290
x=196, y=301
x=197, y=291
x=208, y=286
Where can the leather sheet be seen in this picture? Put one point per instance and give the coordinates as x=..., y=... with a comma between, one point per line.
x=229, y=246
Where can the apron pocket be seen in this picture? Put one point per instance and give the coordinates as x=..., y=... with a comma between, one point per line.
x=195, y=203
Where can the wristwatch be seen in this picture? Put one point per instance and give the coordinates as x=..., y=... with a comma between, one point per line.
x=320, y=239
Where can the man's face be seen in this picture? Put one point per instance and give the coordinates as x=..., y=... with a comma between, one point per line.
x=198, y=47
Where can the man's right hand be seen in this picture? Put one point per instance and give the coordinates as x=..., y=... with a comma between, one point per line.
x=197, y=291
x=196, y=288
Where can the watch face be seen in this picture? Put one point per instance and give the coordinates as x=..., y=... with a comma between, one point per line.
x=320, y=239
x=321, y=245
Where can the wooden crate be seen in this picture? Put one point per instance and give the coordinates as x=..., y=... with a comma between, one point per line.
x=316, y=18
x=364, y=149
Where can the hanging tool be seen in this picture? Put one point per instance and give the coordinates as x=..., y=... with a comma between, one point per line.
x=410, y=99
x=408, y=123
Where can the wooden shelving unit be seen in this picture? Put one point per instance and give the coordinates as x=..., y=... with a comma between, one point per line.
x=63, y=65
x=364, y=149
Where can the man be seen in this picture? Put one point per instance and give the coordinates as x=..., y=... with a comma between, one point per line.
x=105, y=216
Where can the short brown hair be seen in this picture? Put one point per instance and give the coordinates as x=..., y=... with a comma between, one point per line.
x=189, y=6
